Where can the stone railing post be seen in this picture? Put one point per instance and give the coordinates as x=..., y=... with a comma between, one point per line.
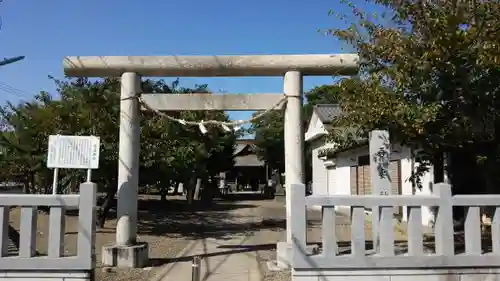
x=445, y=244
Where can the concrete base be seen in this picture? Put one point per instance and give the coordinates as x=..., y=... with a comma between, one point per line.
x=381, y=274
x=284, y=255
x=133, y=256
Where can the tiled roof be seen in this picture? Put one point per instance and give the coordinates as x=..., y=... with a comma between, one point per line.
x=250, y=160
x=239, y=148
x=327, y=112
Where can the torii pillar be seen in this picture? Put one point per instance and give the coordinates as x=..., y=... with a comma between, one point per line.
x=127, y=251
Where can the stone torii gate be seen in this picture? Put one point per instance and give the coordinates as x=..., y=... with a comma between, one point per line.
x=127, y=251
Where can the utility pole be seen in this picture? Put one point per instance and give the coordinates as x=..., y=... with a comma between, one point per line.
x=6, y=61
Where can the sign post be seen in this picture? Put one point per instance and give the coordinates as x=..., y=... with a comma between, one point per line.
x=72, y=152
x=55, y=179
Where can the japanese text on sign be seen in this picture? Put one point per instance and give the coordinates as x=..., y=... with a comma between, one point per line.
x=73, y=152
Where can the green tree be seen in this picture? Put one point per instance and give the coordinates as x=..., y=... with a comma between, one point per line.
x=170, y=152
x=24, y=142
x=269, y=130
x=270, y=139
x=325, y=94
x=430, y=75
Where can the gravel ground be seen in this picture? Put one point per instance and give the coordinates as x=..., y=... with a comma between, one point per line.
x=263, y=256
x=273, y=213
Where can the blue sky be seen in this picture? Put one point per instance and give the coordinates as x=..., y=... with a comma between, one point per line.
x=46, y=31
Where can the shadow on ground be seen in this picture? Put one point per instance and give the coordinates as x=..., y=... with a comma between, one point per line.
x=215, y=221
x=219, y=220
x=227, y=250
x=244, y=197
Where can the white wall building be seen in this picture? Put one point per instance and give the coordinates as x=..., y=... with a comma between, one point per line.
x=348, y=171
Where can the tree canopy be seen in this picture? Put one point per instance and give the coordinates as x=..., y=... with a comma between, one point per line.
x=430, y=75
x=170, y=152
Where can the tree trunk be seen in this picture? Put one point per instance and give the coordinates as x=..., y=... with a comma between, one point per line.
x=438, y=164
x=181, y=188
x=190, y=188
x=32, y=183
x=208, y=191
x=74, y=184
x=176, y=188
x=26, y=186
x=197, y=190
x=163, y=189
x=463, y=174
x=106, y=206
x=163, y=197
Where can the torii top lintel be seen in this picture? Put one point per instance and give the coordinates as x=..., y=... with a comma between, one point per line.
x=211, y=66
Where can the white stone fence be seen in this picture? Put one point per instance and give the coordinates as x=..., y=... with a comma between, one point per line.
x=27, y=264
x=411, y=255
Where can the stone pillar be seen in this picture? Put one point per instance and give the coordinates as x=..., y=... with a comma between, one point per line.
x=127, y=252
x=128, y=163
x=294, y=137
x=294, y=154
x=380, y=158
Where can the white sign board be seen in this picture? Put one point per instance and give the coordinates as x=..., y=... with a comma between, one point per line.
x=73, y=152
